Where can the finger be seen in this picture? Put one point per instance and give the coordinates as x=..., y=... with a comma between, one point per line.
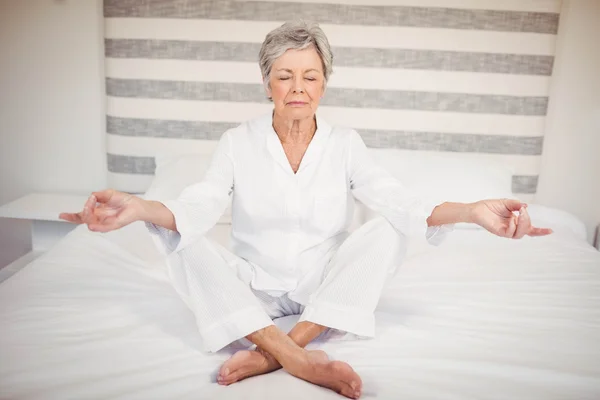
x=512, y=204
x=71, y=217
x=86, y=205
x=104, y=195
x=109, y=224
x=100, y=228
x=523, y=224
x=90, y=204
x=540, y=231
x=512, y=227
x=88, y=210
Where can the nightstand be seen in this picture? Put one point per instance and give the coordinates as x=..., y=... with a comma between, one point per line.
x=42, y=210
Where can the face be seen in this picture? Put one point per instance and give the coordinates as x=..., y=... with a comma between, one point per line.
x=297, y=83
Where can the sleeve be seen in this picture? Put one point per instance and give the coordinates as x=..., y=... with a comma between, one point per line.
x=199, y=206
x=377, y=189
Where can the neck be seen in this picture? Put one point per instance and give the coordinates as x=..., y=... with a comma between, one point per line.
x=294, y=130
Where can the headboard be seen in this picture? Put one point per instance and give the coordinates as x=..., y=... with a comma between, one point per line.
x=468, y=76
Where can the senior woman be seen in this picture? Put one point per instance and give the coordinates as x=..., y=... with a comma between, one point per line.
x=293, y=179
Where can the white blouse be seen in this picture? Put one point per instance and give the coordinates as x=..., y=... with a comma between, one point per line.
x=287, y=225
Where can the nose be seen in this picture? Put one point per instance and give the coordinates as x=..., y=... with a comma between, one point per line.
x=298, y=86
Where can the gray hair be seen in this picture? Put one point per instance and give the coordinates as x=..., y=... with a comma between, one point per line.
x=295, y=35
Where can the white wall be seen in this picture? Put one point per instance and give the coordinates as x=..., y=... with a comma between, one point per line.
x=570, y=177
x=51, y=104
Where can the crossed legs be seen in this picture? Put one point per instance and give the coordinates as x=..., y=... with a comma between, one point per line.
x=278, y=350
x=247, y=363
x=359, y=269
x=345, y=301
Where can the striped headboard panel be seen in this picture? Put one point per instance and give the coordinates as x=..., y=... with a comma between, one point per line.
x=469, y=76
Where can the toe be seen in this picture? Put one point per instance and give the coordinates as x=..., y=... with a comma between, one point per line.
x=350, y=393
x=234, y=377
x=223, y=372
x=220, y=380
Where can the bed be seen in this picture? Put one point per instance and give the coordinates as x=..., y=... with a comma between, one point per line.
x=478, y=317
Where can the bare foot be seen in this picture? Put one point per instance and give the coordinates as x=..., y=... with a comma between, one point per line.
x=335, y=375
x=244, y=364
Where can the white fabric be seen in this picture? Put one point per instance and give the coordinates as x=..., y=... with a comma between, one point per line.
x=284, y=224
x=447, y=176
x=341, y=293
x=436, y=176
x=442, y=177
x=176, y=171
x=479, y=317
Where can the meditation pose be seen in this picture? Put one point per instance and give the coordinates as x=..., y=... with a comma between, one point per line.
x=292, y=180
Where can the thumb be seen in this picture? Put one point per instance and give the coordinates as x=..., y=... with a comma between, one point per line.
x=513, y=205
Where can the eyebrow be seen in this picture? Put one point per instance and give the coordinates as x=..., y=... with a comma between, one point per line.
x=290, y=71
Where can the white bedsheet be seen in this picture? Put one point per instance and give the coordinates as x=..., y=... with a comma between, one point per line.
x=478, y=318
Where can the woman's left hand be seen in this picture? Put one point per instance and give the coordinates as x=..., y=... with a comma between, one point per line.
x=497, y=217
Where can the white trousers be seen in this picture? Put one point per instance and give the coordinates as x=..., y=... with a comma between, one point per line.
x=228, y=309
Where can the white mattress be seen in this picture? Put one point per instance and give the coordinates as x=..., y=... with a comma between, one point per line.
x=480, y=317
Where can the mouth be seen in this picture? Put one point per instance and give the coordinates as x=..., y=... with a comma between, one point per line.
x=297, y=103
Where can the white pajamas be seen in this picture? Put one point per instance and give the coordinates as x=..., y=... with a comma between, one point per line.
x=291, y=250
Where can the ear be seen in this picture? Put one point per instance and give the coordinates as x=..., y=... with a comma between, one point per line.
x=267, y=87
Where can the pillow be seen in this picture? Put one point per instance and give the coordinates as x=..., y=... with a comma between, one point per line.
x=440, y=177
x=175, y=172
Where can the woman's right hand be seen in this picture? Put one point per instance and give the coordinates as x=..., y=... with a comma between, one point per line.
x=106, y=211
